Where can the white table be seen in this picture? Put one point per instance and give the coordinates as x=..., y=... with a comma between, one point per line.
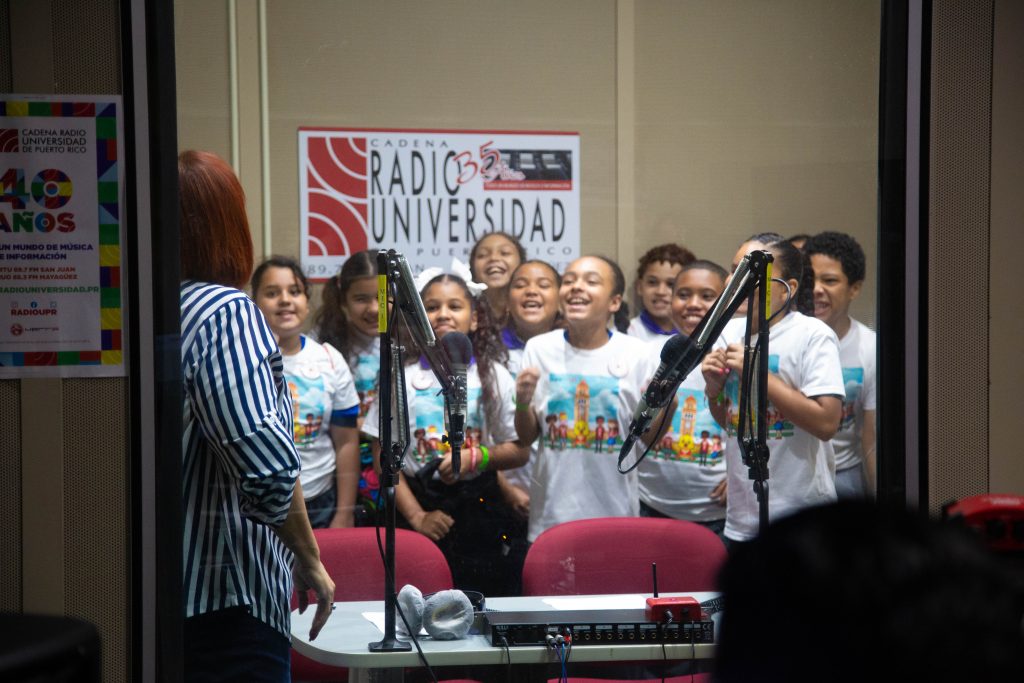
x=344, y=640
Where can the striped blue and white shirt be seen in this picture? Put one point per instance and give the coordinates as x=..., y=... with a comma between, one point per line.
x=240, y=465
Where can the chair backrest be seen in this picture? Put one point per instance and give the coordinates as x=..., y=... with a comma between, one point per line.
x=352, y=559
x=614, y=555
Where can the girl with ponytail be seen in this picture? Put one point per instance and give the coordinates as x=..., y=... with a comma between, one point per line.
x=805, y=393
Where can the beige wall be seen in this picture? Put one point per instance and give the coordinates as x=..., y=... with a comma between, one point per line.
x=756, y=117
x=730, y=117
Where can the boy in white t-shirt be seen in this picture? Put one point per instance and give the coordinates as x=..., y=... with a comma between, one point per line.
x=683, y=475
x=655, y=277
x=838, y=262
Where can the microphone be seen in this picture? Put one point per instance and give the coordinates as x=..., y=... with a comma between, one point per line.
x=681, y=354
x=460, y=352
x=666, y=379
x=408, y=299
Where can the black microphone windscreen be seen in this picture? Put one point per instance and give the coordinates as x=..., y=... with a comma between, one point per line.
x=673, y=347
x=458, y=347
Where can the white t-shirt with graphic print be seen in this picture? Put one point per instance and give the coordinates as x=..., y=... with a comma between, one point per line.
x=426, y=416
x=365, y=370
x=683, y=467
x=804, y=352
x=584, y=402
x=519, y=476
x=857, y=355
x=320, y=383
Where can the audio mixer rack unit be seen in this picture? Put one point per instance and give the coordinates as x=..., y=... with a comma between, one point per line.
x=593, y=627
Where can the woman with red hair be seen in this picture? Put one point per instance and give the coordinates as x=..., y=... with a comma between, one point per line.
x=244, y=515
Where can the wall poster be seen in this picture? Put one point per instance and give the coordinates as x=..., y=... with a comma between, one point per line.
x=431, y=194
x=61, y=199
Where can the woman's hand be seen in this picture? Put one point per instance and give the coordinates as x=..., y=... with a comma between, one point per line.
x=312, y=576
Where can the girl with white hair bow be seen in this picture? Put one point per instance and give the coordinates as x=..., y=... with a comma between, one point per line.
x=464, y=514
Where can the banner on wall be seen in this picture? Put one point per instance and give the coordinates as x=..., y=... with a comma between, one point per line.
x=61, y=188
x=431, y=194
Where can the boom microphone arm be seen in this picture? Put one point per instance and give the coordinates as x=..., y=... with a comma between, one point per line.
x=753, y=271
x=659, y=394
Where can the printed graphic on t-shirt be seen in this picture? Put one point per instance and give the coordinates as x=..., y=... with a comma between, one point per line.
x=428, y=406
x=693, y=435
x=853, y=380
x=582, y=413
x=779, y=427
x=308, y=400
x=364, y=374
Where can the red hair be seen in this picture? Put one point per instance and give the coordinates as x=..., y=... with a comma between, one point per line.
x=216, y=245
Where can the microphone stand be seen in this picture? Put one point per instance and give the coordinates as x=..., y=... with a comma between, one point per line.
x=754, y=270
x=394, y=280
x=755, y=360
x=391, y=452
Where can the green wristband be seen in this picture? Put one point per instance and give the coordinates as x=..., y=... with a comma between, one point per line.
x=485, y=456
x=522, y=407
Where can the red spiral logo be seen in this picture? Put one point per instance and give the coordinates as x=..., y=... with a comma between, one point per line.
x=336, y=177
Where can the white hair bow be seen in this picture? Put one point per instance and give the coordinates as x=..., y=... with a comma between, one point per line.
x=462, y=270
x=425, y=276
x=458, y=268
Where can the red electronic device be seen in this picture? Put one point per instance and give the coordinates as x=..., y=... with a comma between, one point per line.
x=998, y=518
x=683, y=609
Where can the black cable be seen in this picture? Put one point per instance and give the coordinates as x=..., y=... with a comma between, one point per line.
x=693, y=652
x=398, y=608
x=568, y=653
x=508, y=659
x=388, y=570
x=664, y=653
x=789, y=298
x=665, y=415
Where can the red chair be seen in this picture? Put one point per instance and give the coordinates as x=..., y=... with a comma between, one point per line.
x=614, y=555
x=352, y=559
x=695, y=678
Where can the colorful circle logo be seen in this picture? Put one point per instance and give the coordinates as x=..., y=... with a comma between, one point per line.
x=51, y=188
